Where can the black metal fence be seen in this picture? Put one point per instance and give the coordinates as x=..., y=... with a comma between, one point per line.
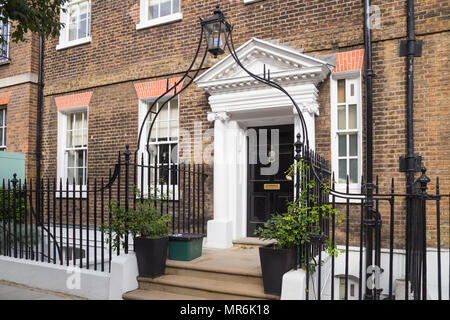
x=59, y=222
x=410, y=252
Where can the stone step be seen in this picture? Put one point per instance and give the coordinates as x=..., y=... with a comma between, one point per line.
x=205, y=288
x=251, y=243
x=156, y=295
x=254, y=279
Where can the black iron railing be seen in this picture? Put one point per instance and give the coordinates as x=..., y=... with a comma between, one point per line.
x=409, y=258
x=59, y=222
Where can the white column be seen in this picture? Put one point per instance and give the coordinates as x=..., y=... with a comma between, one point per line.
x=310, y=119
x=219, y=233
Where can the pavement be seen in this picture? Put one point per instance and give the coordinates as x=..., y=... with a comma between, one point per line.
x=13, y=291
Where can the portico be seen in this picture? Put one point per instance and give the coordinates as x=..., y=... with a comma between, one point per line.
x=239, y=102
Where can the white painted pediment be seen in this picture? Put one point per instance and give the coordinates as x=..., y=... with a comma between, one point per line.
x=287, y=67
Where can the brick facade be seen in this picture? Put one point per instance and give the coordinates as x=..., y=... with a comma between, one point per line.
x=120, y=61
x=18, y=82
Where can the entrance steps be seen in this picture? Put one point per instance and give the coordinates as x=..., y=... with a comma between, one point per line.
x=219, y=274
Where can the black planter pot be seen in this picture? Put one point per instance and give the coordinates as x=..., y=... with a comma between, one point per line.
x=274, y=264
x=151, y=255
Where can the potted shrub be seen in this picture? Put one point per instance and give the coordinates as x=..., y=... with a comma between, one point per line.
x=149, y=229
x=296, y=228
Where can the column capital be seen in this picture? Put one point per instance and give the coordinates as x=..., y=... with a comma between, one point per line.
x=222, y=116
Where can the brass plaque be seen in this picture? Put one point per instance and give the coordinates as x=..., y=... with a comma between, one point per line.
x=271, y=186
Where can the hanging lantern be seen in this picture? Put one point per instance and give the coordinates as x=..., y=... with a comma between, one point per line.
x=216, y=30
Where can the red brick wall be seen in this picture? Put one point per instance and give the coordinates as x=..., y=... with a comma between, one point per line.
x=121, y=56
x=21, y=107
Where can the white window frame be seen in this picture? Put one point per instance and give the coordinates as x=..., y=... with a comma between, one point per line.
x=355, y=78
x=146, y=22
x=64, y=33
x=61, y=156
x=3, y=126
x=5, y=58
x=173, y=191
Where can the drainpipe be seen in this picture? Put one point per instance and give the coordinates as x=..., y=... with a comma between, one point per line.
x=39, y=124
x=370, y=213
x=410, y=163
x=39, y=108
x=410, y=49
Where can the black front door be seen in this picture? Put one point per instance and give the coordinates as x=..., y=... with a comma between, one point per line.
x=268, y=188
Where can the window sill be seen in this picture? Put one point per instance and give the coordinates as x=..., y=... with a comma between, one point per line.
x=5, y=62
x=74, y=43
x=250, y=1
x=160, y=21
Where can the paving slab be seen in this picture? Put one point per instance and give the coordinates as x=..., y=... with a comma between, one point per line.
x=13, y=291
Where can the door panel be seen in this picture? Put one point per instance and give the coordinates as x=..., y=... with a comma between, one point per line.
x=268, y=194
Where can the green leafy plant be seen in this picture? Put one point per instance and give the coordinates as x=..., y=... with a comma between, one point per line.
x=301, y=223
x=27, y=234
x=12, y=206
x=145, y=220
x=41, y=16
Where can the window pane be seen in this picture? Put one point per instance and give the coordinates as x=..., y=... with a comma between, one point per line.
x=73, y=23
x=164, y=114
x=176, y=6
x=70, y=175
x=78, y=122
x=174, y=153
x=79, y=177
x=353, y=141
x=70, y=122
x=154, y=131
x=341, y=118
x=85, y=137
x=164, y=153
x=352, y=117
x=353, y=170
x=1, y=118
x=1, y=137
x=342, y=145
x=71, y=159
x=173, y=109
x=153, y=9
x=166, y=8
x=342, y=171
x=69, y=139
x=174, y=130
x=82, y=30
x=341, y=91
x=77, y=138
x=153, y=152
x=163, y=132
x=80, y=158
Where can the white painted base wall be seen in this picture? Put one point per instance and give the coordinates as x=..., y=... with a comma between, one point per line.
x=77, y=282
x=294, y=282
x=124, y=272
